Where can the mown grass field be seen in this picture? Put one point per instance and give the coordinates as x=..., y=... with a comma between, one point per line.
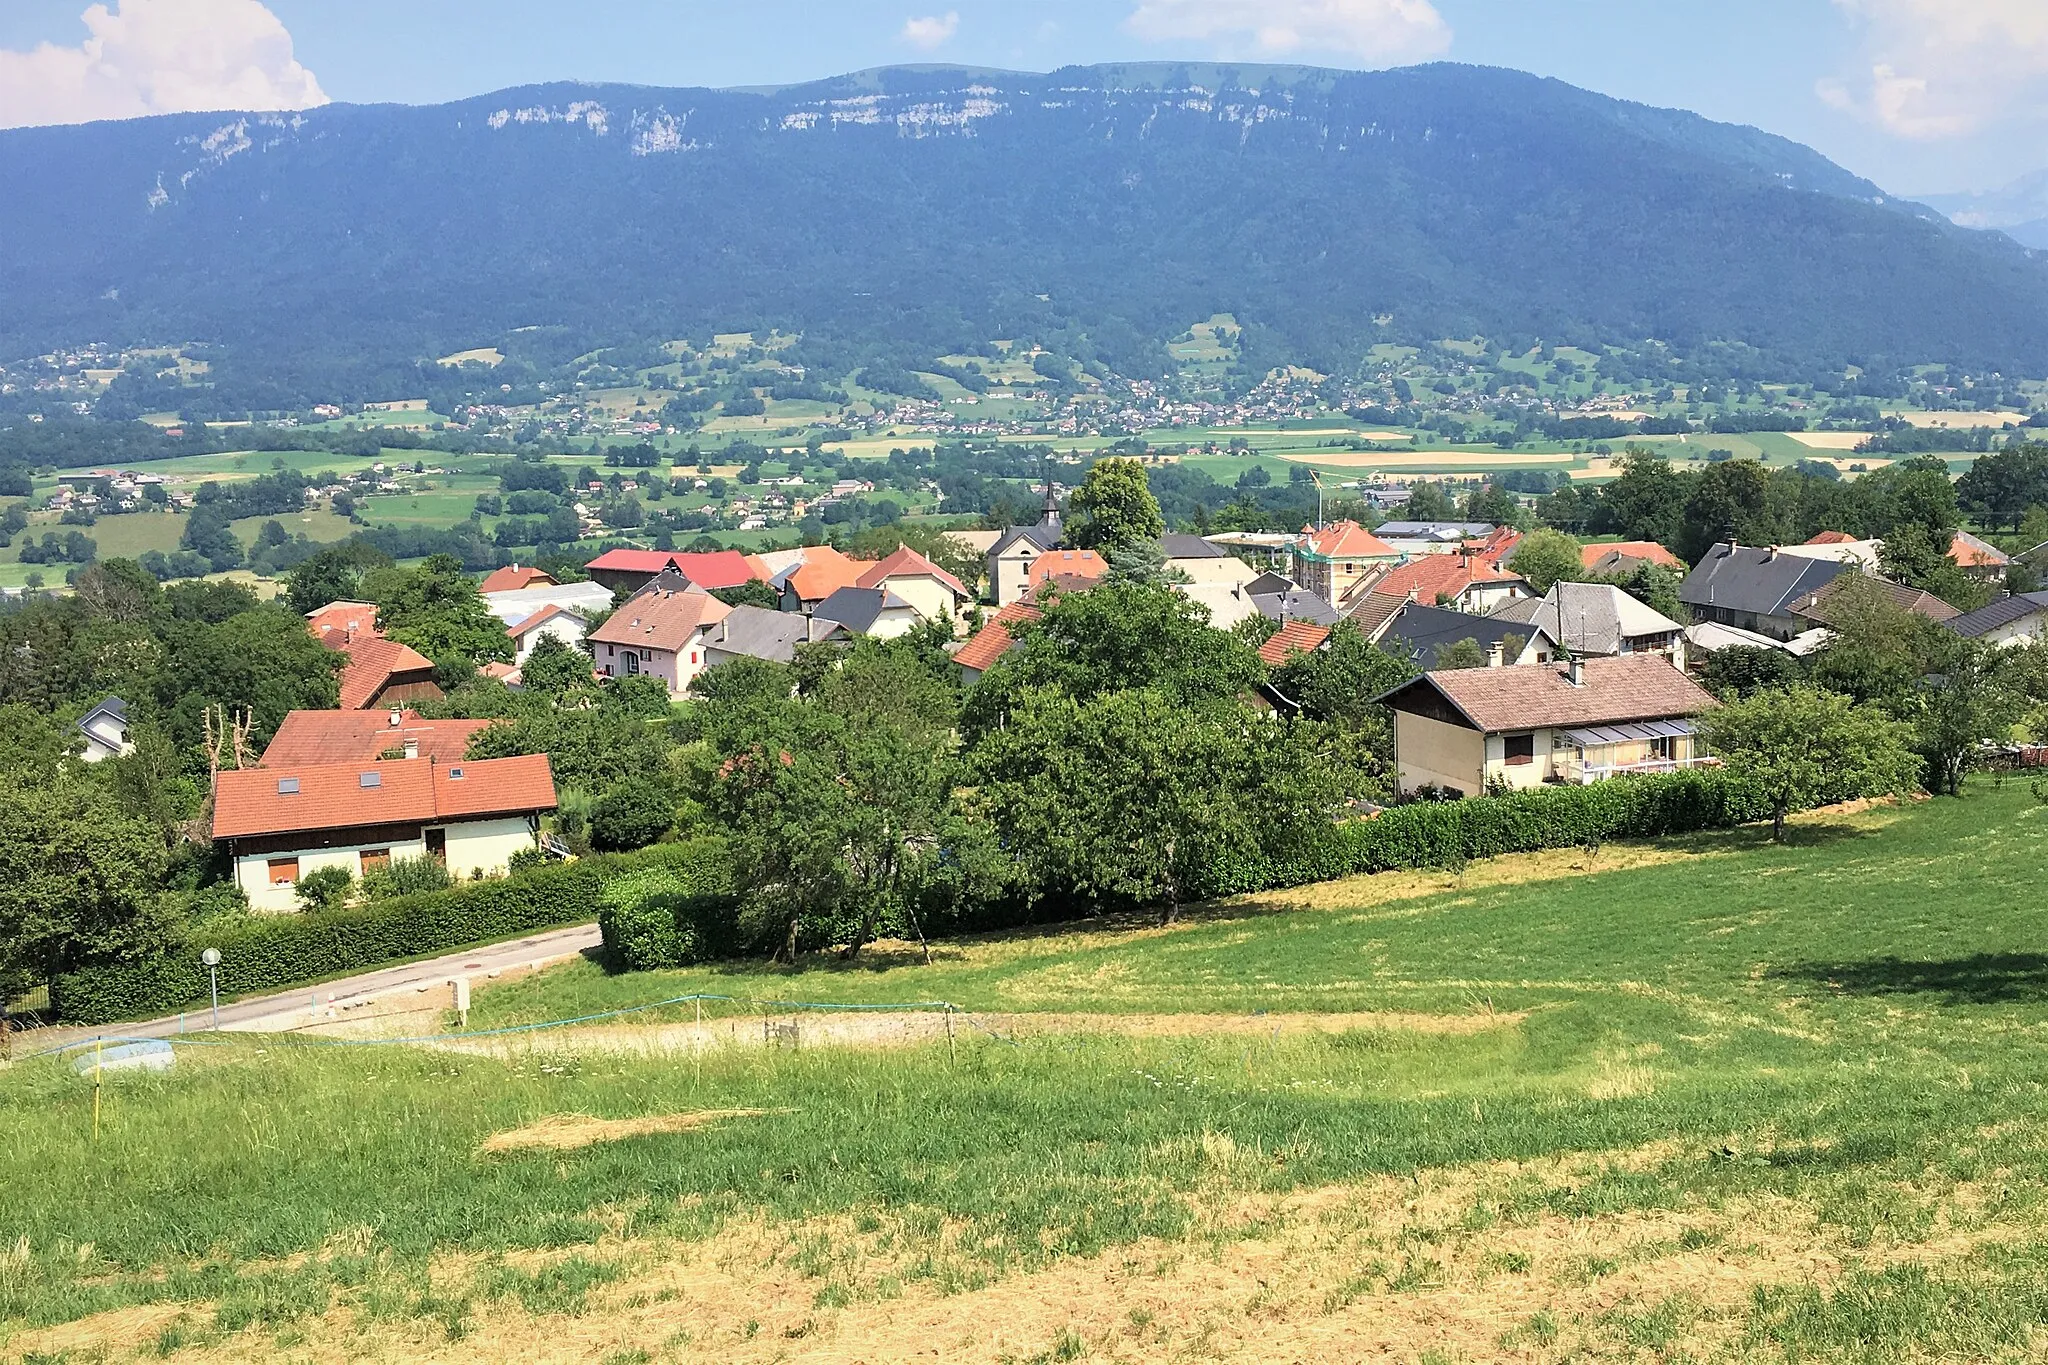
x=1704, y=1100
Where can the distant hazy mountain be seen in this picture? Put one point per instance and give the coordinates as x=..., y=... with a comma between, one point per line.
x=913, y=209
x=2019, y=210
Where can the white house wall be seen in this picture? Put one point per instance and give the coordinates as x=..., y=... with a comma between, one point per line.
x=252, y=871
x=486, y=846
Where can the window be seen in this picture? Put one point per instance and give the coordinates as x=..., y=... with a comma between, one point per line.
x=284, y=871
x=632, y=664
x=1521, y=749
x=1663, y=749
x=437, y=845
x=375, y=860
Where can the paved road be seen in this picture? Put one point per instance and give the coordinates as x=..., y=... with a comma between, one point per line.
x=270, y=1012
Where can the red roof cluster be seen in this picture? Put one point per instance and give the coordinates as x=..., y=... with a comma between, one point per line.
x=328, y=796
x=1432, y=576
x=373, y=661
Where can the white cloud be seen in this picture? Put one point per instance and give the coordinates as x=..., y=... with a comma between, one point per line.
x=932, y=31
x=1945, y=68
x=158, y=57
x=1374, y=30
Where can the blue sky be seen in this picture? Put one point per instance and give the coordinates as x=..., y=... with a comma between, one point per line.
x=1920, y=95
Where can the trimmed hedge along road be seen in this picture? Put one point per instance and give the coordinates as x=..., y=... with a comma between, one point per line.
x=672, y=905
x=288, y=950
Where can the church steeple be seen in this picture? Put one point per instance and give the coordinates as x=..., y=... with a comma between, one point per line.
x=1051, y=516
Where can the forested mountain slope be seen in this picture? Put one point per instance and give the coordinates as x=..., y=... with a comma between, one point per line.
x=911, y=210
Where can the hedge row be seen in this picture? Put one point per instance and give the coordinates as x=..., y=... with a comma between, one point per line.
x=272, y=953
x=679, y=915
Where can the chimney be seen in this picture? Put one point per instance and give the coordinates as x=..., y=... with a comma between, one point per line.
x=412, y=748
x=1575, y=672
x=397, y=717
x=1770, y=554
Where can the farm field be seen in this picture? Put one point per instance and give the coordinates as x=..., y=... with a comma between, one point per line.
x=1700, y=1100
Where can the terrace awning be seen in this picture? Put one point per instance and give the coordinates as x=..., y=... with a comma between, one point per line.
x=1598, y=736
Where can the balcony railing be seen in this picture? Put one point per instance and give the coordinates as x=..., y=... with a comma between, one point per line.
x=1585, y=774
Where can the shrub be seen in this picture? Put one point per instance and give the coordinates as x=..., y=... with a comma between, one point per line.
x=678, y=913
x=632, y=815
x=406, y=877
x=325, y=888
x=271, y=953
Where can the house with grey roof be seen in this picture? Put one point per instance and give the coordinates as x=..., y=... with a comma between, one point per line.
x=870, y=611
x=1755, y=588
x=1423, y=634
x=1432, y=537
x=1598, y=620
x=772, y=636
x=2021, y=619
x=105, y=729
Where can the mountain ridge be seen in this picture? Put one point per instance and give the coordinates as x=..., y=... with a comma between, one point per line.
x=908, y=208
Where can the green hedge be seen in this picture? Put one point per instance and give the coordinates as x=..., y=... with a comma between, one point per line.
x=678, y=916
x=673, y=915
x=265, y=954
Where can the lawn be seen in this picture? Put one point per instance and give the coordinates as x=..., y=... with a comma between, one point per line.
x=1709, y=1099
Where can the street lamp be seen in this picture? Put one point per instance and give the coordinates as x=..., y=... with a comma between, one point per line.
x=211, y=958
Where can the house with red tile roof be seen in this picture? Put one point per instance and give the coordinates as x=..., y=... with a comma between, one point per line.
x=379, y=671
x=306, y=738
x=282, y=822
x=1497, y=547
x=995, y=639
x=1069, y=570
x=932, y=592
x=1459, y=581
x=513, y=577
x=1295, y=637
x=1334, y=561
x=1626, y=556
x=631, y=570
x=1474, y=728
x=659, y=633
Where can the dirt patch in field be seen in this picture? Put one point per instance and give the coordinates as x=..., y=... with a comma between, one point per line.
x=119, y=1329
x=1830, y=440
x=567, y=1132
x=1473, y=1262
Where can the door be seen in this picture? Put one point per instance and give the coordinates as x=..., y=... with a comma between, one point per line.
x=437, y=845
x=375, y=860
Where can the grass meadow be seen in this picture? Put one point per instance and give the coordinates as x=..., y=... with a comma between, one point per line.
x=1701, y=1100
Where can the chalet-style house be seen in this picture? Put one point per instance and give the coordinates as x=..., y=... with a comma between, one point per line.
x=1337, y=560
x=773, y=636
x=659, y=633
x=311, y=738
x=2021, y=619
x=1597, y=620
x=379, y=671
x=932, y=592
x=280, y=823
x=104, y=730
x=1474, y=729
x=1755, y=588
x=557, y=623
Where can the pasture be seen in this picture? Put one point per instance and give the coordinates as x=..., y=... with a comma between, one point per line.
x=1707, y=1099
